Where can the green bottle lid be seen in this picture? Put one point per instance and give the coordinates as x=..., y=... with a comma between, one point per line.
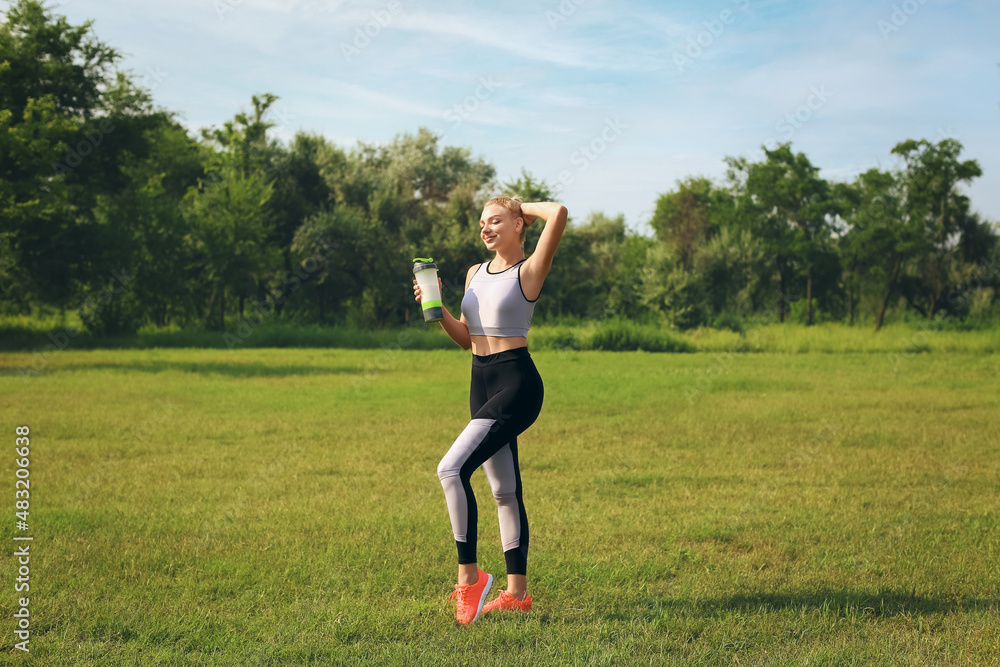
x=421, y=263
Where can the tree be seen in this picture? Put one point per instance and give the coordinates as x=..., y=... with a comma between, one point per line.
x=347, y=257
x=146, y=218
x=689, y=216
x=934, y=205
x=78, y=134
x=300, y=192
x=794, y=208
x=52, y=78
x=849, y=248
x=229, y=208
x=878, y=237
x=45, y=57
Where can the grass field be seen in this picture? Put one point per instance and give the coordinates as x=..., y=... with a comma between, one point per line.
x=281, y=507
x=46, y=335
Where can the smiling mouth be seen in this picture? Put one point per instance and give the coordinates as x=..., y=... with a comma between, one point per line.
x=489, y=238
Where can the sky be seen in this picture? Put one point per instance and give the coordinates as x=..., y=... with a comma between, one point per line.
x=610, y=103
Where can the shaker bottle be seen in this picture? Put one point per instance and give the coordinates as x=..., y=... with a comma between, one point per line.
x=426, y=273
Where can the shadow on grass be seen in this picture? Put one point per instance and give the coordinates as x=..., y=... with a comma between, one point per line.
x=241, y=370
x=881, y=603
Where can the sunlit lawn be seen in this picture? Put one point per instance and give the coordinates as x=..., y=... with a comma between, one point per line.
x=279, y=507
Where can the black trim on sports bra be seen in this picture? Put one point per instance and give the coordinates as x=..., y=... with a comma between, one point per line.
x=522, y=286
x=505, y=270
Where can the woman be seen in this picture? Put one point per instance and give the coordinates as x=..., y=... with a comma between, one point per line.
x=505, y=397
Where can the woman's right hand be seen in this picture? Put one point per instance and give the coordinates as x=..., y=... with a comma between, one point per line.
x=416, y=289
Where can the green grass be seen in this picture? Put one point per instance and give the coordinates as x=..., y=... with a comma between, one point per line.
x=45, y=335
x=900, y=339
x=280, y=507
x=40, y=338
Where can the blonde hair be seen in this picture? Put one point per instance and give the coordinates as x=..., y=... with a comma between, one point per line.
x=512, y=204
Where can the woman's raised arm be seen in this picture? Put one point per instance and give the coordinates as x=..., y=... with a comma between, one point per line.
x=536, y=267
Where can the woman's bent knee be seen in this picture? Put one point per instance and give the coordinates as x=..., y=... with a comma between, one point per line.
x=446, y=470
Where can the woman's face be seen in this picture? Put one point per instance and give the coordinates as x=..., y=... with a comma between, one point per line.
x=499, y=228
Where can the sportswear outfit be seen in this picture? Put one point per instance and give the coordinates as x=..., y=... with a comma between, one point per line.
x=505, y=398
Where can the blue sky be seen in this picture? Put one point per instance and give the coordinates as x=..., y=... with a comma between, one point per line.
x=611, y=102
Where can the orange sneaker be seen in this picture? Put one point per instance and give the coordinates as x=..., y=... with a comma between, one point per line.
x=471, y=598
x=507, y=602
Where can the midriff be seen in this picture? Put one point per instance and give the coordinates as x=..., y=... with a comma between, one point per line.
x=484, y=345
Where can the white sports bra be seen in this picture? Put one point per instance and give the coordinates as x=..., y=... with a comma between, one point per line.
x=495, y=304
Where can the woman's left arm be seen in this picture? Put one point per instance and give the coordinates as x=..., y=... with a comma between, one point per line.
x=537, y=266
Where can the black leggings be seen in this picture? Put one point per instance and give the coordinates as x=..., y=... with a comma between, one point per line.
x=505, y=399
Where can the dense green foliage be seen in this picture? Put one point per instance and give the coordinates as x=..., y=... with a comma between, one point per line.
x=110, y=209
x=281, y=507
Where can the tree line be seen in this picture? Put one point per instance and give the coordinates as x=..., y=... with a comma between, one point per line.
x=110, y=208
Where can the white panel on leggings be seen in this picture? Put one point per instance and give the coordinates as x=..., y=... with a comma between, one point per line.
x=503, y=482
x=450, y=467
